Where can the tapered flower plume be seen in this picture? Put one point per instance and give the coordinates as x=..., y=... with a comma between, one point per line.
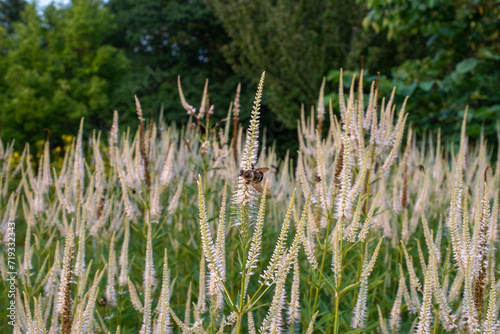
x=212, y=256
x=256, y=244
x=249, y=156
x=64, y=296
x=163, y=325
x=344, y=202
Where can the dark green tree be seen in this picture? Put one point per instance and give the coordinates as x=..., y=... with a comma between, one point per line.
x=10, y=12
x=56, y=69
x=165, y=39
x=456, y=63
x=296, y=42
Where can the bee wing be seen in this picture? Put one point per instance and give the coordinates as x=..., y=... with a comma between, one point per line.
x=258, y=187
x=262, y=170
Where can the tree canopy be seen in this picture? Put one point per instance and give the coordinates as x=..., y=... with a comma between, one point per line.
x=56, y=69
x=88, y=58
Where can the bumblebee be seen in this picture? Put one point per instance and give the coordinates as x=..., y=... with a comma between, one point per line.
x=254, y=176
x=103, y=301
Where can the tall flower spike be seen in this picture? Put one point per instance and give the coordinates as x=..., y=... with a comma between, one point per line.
x=359, y=314
x=110, y=287
x=469, y=313
x=456, y=200
x=273, y=322
x=480, y=267
x=344, y=203
x=336, y=257
x=395, y=316
x=366, y=225
x=415, y=285
x=425, y=316
x=149, y=282
x=383, y=323
x=144, y=154
x=221, y=253
x=86, y=316
x=321, y=106
x=249, y=156
x=123, y=260
x=399, y=131
x=80, y=255
x=189, y=108
x=255, y=246
x=211, y=255
x=279, y=249
x=163, y=325
x=294, y=310
x=445, y=313
x=491, y=324
x=64, y=296
x=310, y=328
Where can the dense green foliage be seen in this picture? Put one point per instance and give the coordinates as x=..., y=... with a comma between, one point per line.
x=57, y=69
x=457, y=60
x=87, y=58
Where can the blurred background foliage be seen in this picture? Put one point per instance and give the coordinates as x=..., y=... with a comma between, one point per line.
x=89, y=57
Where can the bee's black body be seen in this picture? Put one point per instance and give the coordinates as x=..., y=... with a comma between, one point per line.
x=253, y=176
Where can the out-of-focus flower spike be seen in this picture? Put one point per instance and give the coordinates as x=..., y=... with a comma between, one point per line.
x=369, y=110
x=310, y=328
x=321, y=106
x=469, y=312
x=383, y=324
x=343, y=112
x=344, y=204
x=369, y=267
x=148, y=299
x=279, y=249
x=83, y=322
x=425, y=315
x=113, y=138
x=163, y=325
x=80, y=255
x=123, y=260
x=175, y=199
x=491, y=324
x=366, y=224
x=414, y=282
x=251, y=324
x=129, y=209
x=189, y=108
x=336, y=257
x=395, y=315
x=294, y=309
x=211, y=255
x=110, y=286
x=154, y=199
x=204, y=105
x=397, y=142
x=47, y=177
x=134, y=297
x=350, y=232
x=201, y=306
x=64, y=297
x=187, y=308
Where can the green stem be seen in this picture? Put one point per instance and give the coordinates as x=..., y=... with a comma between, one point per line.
x=337, y=297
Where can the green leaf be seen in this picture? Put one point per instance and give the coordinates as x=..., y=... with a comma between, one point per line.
x=427, y=85
x=466, y=65
x=486, y=53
